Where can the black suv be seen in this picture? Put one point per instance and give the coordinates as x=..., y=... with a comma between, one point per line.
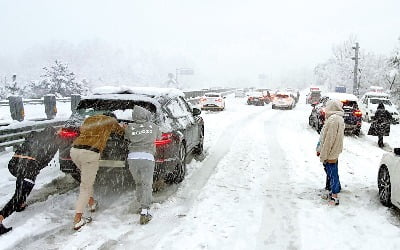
x=352, y=114
x=181, y=125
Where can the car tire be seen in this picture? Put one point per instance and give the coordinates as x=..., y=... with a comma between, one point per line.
x=200, y=147
x=384, y=186
x=356, y=132
x=273, y=106
x=309, y=122
x=318, y=127
x=178, y=175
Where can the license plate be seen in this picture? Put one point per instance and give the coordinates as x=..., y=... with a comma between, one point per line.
x=346, y=115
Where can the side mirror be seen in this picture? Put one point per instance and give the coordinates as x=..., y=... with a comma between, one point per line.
x=196, y=111
x=313, y=105
x=224, y=97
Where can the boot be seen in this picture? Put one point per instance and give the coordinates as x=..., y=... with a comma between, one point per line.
x=4, y=229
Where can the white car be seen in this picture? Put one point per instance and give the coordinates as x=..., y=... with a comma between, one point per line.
x=389, y=179
x=369, y=105
x=283, y=100
x=212, y=101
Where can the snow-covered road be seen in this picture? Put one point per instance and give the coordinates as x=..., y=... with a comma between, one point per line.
x=257, y=188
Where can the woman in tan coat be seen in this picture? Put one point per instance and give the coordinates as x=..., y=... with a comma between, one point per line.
x=331, y=145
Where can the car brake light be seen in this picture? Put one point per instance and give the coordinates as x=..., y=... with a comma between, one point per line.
x=166, y=138
x=357, y=113
x=219, y=100
x=322, y=112
x=66, y=133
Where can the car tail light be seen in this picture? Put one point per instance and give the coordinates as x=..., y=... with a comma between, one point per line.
x=250, y=98
x=219, y=100
x=68, y=133
x=166, y=138
x=203, y=99
x=357, y=113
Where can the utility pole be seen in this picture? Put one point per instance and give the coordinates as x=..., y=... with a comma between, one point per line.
x=355, y=78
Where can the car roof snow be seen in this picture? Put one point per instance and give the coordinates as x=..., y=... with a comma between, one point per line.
x=341, y=96
x=147, y=91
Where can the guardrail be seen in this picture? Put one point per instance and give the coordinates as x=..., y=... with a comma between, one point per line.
x=35, y=101
x=14, y=136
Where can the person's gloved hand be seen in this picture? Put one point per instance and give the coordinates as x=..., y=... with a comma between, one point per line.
x=318, y=153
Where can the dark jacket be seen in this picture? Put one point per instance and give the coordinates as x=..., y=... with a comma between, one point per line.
x=96, y=130
x=381, y=124
x=40, y=146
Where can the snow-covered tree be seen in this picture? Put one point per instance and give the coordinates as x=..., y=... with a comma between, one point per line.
x=393, y=75
x=59, y=80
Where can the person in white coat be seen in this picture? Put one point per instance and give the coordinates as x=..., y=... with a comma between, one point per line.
x=331, y=145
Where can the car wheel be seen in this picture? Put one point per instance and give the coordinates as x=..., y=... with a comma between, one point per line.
x=384, y=186
x=356, y=132
x=180, y=169
x=310, y=122
x=318, y=127
x=199, y=148
x=273, y=106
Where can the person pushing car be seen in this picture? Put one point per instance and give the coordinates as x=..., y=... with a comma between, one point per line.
x=29, y=159
x=142, y=134
x=85, y=153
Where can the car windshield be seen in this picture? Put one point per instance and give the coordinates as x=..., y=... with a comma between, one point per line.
x=384, y=101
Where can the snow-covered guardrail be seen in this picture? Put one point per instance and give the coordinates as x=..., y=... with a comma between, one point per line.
x=10, y=137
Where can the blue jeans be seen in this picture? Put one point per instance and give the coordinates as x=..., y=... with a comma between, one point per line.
x=333, y=175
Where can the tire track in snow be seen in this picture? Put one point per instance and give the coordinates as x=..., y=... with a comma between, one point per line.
x=166, y=220
x=280, y=230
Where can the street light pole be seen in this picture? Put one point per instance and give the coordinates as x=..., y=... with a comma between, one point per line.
x=355, y=79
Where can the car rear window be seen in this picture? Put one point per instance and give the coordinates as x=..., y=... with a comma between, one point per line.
x=212, y=95
x=350, y=104
x=377, y=101
x=282, y=96
x=121, y=108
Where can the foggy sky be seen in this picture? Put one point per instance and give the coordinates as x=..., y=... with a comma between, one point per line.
x=225, y=39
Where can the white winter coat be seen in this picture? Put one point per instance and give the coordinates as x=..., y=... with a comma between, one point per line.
x=331, y=137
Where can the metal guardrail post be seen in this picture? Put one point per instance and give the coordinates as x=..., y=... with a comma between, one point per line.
x=16, y=108
x=75, y=99
x=50, y=107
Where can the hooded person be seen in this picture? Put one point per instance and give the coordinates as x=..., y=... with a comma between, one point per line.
x=29, y=159
x=381, y=125
x=331, y=145
x=142, y=134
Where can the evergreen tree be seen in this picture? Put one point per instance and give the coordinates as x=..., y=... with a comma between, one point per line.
x=59, y=80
